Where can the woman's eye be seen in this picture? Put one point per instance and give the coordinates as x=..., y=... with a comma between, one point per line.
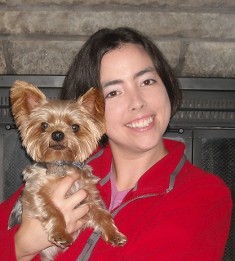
x=75, y=128
x=112, y=94
x=44, y=125
x=148, y=82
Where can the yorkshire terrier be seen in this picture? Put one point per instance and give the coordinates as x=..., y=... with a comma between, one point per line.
x=60, y=136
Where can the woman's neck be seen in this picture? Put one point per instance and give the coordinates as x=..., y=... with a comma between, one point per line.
x=128, y=166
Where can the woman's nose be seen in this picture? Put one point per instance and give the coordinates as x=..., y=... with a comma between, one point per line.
x=137, y=101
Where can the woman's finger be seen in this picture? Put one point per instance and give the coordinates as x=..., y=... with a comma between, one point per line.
x=78, y=219
x=75, y=200
x=64, y=185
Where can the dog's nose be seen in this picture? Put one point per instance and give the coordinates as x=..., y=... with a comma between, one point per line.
x=57, y=135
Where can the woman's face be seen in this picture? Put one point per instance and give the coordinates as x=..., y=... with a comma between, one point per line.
x=137, y=106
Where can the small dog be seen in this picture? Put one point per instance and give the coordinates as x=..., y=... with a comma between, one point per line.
x=59, y=136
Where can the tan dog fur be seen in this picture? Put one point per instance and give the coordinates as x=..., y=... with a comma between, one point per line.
x=57, y=134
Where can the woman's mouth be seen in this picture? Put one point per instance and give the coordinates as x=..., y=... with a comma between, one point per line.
x=141, y=123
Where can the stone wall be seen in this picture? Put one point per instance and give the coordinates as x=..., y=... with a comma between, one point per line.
x=42, y=36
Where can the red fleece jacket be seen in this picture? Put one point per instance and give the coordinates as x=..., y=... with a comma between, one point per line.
x=191, y=222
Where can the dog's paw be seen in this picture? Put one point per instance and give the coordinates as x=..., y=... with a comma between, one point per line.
x=61, y=240
x=117, y=239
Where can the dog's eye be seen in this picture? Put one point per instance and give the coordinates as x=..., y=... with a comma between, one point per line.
x=44, y=125
x=75, y=127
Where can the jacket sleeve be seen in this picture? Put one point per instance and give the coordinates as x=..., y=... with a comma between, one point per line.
x=7, y=245
x=7, y=242
x=192, y=225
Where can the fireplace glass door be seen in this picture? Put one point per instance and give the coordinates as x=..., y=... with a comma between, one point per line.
x=214, y=151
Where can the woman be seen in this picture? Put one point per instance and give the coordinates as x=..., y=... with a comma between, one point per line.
x=167, y=208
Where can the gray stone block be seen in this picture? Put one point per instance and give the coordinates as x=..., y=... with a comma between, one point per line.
x=171, y=51
x=43, y=57
x=141, y=3
x=154, y=23
x=3, y=69
x=210, y=59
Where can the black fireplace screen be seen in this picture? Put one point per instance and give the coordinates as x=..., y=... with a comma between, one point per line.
x=217, y=155
x=15, y=160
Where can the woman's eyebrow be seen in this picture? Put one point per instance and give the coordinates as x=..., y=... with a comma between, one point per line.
x=138, y=74
x=106, y=84
x=146, y=70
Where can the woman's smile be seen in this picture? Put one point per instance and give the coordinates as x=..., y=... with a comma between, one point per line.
x=142, y=124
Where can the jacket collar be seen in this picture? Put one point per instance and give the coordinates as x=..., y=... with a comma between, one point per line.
x=155, y=180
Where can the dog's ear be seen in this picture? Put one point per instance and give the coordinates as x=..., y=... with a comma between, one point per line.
x=24, y=98
x=93, y=101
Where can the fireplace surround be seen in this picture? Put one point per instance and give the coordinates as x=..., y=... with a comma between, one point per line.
x=205, y=123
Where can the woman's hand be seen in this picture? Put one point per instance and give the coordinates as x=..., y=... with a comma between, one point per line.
x=68, y=206
x=31, y=238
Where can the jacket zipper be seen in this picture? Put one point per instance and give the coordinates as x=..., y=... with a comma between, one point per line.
x=94, y=237
x=115, y=212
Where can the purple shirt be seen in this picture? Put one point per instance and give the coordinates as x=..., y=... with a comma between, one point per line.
x=116, y=196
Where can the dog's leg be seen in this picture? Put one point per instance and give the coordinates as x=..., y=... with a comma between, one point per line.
x=104, y=222
x=100, y=219
x=36, y=198
x=54, y=223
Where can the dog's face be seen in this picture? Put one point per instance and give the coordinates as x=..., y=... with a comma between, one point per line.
x=57, y=130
